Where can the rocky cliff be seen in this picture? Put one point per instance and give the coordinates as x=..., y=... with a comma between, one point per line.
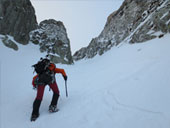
x=17, y=19
x=18, y=24
x=52, y=38
x=134, y=22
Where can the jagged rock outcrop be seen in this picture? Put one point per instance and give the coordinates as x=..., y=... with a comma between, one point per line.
x=135, y=21
x=18, y=25
x=52, y=38
x=9, y=42
x=17, y=18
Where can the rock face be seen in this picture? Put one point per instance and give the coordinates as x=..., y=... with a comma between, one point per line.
x=17, y=18
x=18, y=24
x=134, y=22
x=52, y=38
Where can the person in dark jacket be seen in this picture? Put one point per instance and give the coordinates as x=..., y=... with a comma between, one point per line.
x=40, y=92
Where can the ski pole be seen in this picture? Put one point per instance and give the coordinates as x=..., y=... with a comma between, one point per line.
x=66, y=88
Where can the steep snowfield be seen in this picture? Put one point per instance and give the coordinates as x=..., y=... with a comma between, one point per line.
x=127, y=87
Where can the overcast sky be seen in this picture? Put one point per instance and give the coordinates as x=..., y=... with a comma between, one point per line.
x=83, y=19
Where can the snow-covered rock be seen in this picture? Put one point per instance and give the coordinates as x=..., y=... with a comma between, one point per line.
x=18, y=23
x=52, y=38
x=17, y=19
x=9, y=42
x=135, y=21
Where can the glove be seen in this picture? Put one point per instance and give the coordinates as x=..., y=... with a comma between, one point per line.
x=65, y=77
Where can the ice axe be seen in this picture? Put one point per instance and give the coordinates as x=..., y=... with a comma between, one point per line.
x=66, y=88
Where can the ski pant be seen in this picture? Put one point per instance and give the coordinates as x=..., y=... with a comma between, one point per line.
x=41, y=88
x=39, y=97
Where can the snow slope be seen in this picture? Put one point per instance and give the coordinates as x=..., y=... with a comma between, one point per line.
x=127, y=87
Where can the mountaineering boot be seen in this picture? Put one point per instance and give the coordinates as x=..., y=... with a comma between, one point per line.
x=53, y=105
x=35, y=112
x=53, y=108
x=34, y=117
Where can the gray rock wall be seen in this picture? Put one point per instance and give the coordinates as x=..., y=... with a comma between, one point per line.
x=17, y=18
x=135, y=21
x=158, y=21
x=52, y=38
